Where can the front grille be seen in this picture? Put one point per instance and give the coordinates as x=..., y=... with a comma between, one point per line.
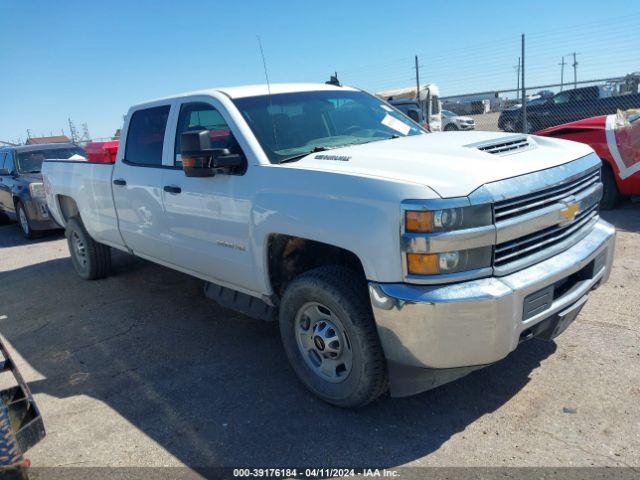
x=505, y=146
x=533, y=247
x=537, y=242
x=514, y=207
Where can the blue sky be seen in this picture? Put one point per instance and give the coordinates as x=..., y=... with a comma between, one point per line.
x=91, y=60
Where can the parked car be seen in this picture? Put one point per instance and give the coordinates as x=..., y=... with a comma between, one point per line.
x=616, y=140
x=411, y=109
x=389, y=255
x=452, y=122
x=22, y=195
x=567, y=106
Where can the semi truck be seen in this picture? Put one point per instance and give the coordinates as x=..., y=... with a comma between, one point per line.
x=391, y=257
x=428, y=99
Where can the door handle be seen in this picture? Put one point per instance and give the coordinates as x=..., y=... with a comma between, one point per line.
x=120, y=182
x=172, y=189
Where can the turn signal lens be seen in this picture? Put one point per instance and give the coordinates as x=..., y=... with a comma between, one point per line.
x=419, y=221
x=422, y=264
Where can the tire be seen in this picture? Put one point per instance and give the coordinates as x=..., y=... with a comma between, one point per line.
x=9, y=449
x=91, y=259
x=331, y=303
x=532, y=126
x=610, y=193
x=24, y=223
x=451, y=127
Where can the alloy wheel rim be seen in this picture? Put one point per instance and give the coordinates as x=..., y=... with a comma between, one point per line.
x=323, y=342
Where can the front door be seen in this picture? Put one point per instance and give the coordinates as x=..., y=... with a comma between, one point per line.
x=137, y=184
x=6, y=183
x=208, y=218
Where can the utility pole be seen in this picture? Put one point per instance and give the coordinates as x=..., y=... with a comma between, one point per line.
x=562, y=64
x=524, y=97
x=518, y=76
x=417, y=79
x=575, y=69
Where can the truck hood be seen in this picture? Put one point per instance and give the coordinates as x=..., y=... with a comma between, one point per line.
x=450, y=163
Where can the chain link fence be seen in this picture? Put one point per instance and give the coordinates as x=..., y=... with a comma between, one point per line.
x=546, y=105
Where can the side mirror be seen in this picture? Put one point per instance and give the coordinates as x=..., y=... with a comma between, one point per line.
x=4, y=171
x=199, y=159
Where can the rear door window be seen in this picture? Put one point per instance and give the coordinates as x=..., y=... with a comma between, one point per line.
x=146, y=136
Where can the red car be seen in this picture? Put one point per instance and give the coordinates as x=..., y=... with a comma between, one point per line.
x=616, y=139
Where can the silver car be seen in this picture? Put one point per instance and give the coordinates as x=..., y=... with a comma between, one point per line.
x=452, y=122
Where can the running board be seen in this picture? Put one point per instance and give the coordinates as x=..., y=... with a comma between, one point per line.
x=240, y=302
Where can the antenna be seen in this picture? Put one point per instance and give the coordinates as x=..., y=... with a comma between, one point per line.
x=264, y=64
x=266, y=74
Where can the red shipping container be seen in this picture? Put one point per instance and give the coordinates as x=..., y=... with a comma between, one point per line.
x=102, y=152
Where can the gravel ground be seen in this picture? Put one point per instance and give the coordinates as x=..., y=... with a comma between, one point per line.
x=141, y=370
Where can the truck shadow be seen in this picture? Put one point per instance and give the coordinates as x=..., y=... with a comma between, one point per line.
x=11, y=236
x=213, y=387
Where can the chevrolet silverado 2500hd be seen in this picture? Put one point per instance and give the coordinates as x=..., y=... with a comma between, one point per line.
x=390, y=256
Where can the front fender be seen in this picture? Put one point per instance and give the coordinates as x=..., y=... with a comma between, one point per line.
x=358, y=214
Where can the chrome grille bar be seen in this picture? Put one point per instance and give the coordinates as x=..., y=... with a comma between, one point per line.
x=515, y=206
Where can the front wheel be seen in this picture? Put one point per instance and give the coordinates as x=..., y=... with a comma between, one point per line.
x=92, y=260
x=451, y=127
x=24, y=223
x=330, y=338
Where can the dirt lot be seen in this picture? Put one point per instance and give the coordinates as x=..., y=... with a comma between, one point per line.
x=141, y=369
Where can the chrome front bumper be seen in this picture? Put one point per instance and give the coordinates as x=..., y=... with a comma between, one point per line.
x=479, y=322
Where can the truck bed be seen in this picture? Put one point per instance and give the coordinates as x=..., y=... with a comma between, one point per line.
x=89, y=184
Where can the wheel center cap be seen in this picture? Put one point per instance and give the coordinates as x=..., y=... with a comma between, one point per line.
x=319, y=343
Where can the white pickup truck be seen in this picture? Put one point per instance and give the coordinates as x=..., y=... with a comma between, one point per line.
x=391, y=257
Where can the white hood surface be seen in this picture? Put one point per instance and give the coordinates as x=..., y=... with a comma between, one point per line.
x=443, y=161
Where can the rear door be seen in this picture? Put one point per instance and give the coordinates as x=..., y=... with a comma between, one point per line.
x=137, y=183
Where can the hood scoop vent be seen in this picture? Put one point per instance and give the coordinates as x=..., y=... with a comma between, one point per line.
x=505, y=145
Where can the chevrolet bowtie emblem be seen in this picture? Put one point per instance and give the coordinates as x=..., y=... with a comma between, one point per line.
x=569, y=212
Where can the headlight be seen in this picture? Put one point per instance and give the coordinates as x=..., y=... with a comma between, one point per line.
x=37, y=190
x=448, y=262
x=447, y=220
x=447, y=240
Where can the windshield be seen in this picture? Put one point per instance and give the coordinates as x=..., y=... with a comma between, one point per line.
x=447, y=113
x=290, y=125
x=31, y=161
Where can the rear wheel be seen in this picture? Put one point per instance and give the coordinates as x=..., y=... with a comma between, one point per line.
x=92, y=260
x=330, y=338
x=610, y=193
x=24, y=223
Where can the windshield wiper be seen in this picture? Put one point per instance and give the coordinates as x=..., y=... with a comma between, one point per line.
x=321, y=148
x=293, y=158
